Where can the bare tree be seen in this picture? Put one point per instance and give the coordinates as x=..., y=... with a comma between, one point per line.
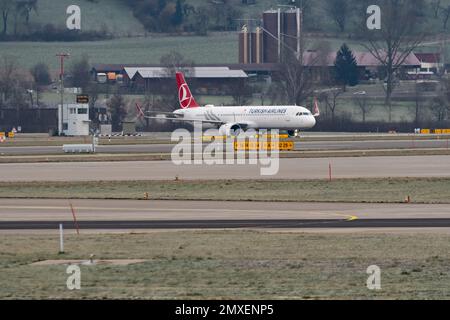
x=296, y=71
x=80, y=71
x=174, y=61
x=294, y=79
x=419, y=89
x=445, y=13
x=241, y=92
x=439, y=108
x=330, y=98
x=362, y=101
x=395, y=41
x=118, y=111
x=8, y=77
x=5, y=8
x=338, y=10
x=436, y=5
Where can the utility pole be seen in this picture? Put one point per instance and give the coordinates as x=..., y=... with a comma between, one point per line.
x=62, y=56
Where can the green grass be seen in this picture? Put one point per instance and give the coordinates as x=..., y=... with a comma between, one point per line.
x=229, y=265
x=215, y=48
x=421, y=190
x=114, y=15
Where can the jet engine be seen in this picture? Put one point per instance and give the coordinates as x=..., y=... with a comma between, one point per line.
x=230, y=129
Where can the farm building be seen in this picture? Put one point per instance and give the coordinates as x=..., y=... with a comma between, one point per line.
x=322, y=65
x=205, y=78
x=430, y=62
x=156, y=78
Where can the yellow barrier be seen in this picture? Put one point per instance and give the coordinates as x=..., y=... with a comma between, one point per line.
x=268, y=136
x=435, y=131
x=265, y=145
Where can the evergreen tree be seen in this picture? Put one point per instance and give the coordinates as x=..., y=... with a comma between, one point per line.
x=178, y=16
x=346, y=67
x=161, y=5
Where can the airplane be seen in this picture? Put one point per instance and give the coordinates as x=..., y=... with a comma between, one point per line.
x=232, y=120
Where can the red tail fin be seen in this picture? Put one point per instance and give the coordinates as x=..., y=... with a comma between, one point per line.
x=185, y=96
x=316, y=111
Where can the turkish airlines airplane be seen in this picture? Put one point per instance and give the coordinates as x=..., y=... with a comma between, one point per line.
x=231, y=120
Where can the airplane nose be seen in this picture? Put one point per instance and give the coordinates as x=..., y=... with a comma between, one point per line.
x=312, y=121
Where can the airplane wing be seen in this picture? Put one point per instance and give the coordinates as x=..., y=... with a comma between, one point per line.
x=182, y=119
x=173, y=117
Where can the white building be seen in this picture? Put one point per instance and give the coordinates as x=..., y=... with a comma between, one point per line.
x=73, y=119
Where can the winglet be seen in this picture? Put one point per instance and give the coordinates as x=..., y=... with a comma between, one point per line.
x=141, y=113
x=316, y=111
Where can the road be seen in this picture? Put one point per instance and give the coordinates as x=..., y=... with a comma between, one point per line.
x=306, y=145
x=311, y=168
x=132, y=214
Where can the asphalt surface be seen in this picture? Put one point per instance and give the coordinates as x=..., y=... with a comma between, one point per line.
x=311, y=168
x=228, y=224
x=307, y=145
x=47, y=214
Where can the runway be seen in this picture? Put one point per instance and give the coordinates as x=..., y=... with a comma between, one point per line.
x=298, y=168
x=46, y=214
x=228, y=224
x=299, y=146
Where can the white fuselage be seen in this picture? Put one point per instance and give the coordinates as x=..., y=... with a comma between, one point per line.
x=254, y=117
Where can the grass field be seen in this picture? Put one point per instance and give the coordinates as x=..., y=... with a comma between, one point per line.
x=229, y=265
x=215, y=48
x=114, y=15
x=421, y=190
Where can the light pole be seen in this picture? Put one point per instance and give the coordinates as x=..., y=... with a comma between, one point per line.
x=62, y=56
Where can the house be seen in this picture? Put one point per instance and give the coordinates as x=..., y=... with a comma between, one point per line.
x=430, y=62
x=370, y=68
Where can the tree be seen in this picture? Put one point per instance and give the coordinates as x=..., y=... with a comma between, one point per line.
x=436, y=5
x=399, y=35
x=445, y=12
x=330, y=98
x=5, y=7
x=8, y=76
x=178, y=16
x=338, y=11
x=419, y=89
x=346, y=67
x=295, y=79
x=116, y=106
x=362, y=101
x=175, y=61
x=201, y=21
x=80, y=72
x=25, y=7
x=241, y=93
x=172, y=63
x=13, y=86
x=41, y=74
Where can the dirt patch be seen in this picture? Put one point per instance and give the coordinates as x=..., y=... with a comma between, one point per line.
x=117, y=262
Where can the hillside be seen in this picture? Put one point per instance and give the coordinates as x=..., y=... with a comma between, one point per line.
x=117, y=17
x=113, y=15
